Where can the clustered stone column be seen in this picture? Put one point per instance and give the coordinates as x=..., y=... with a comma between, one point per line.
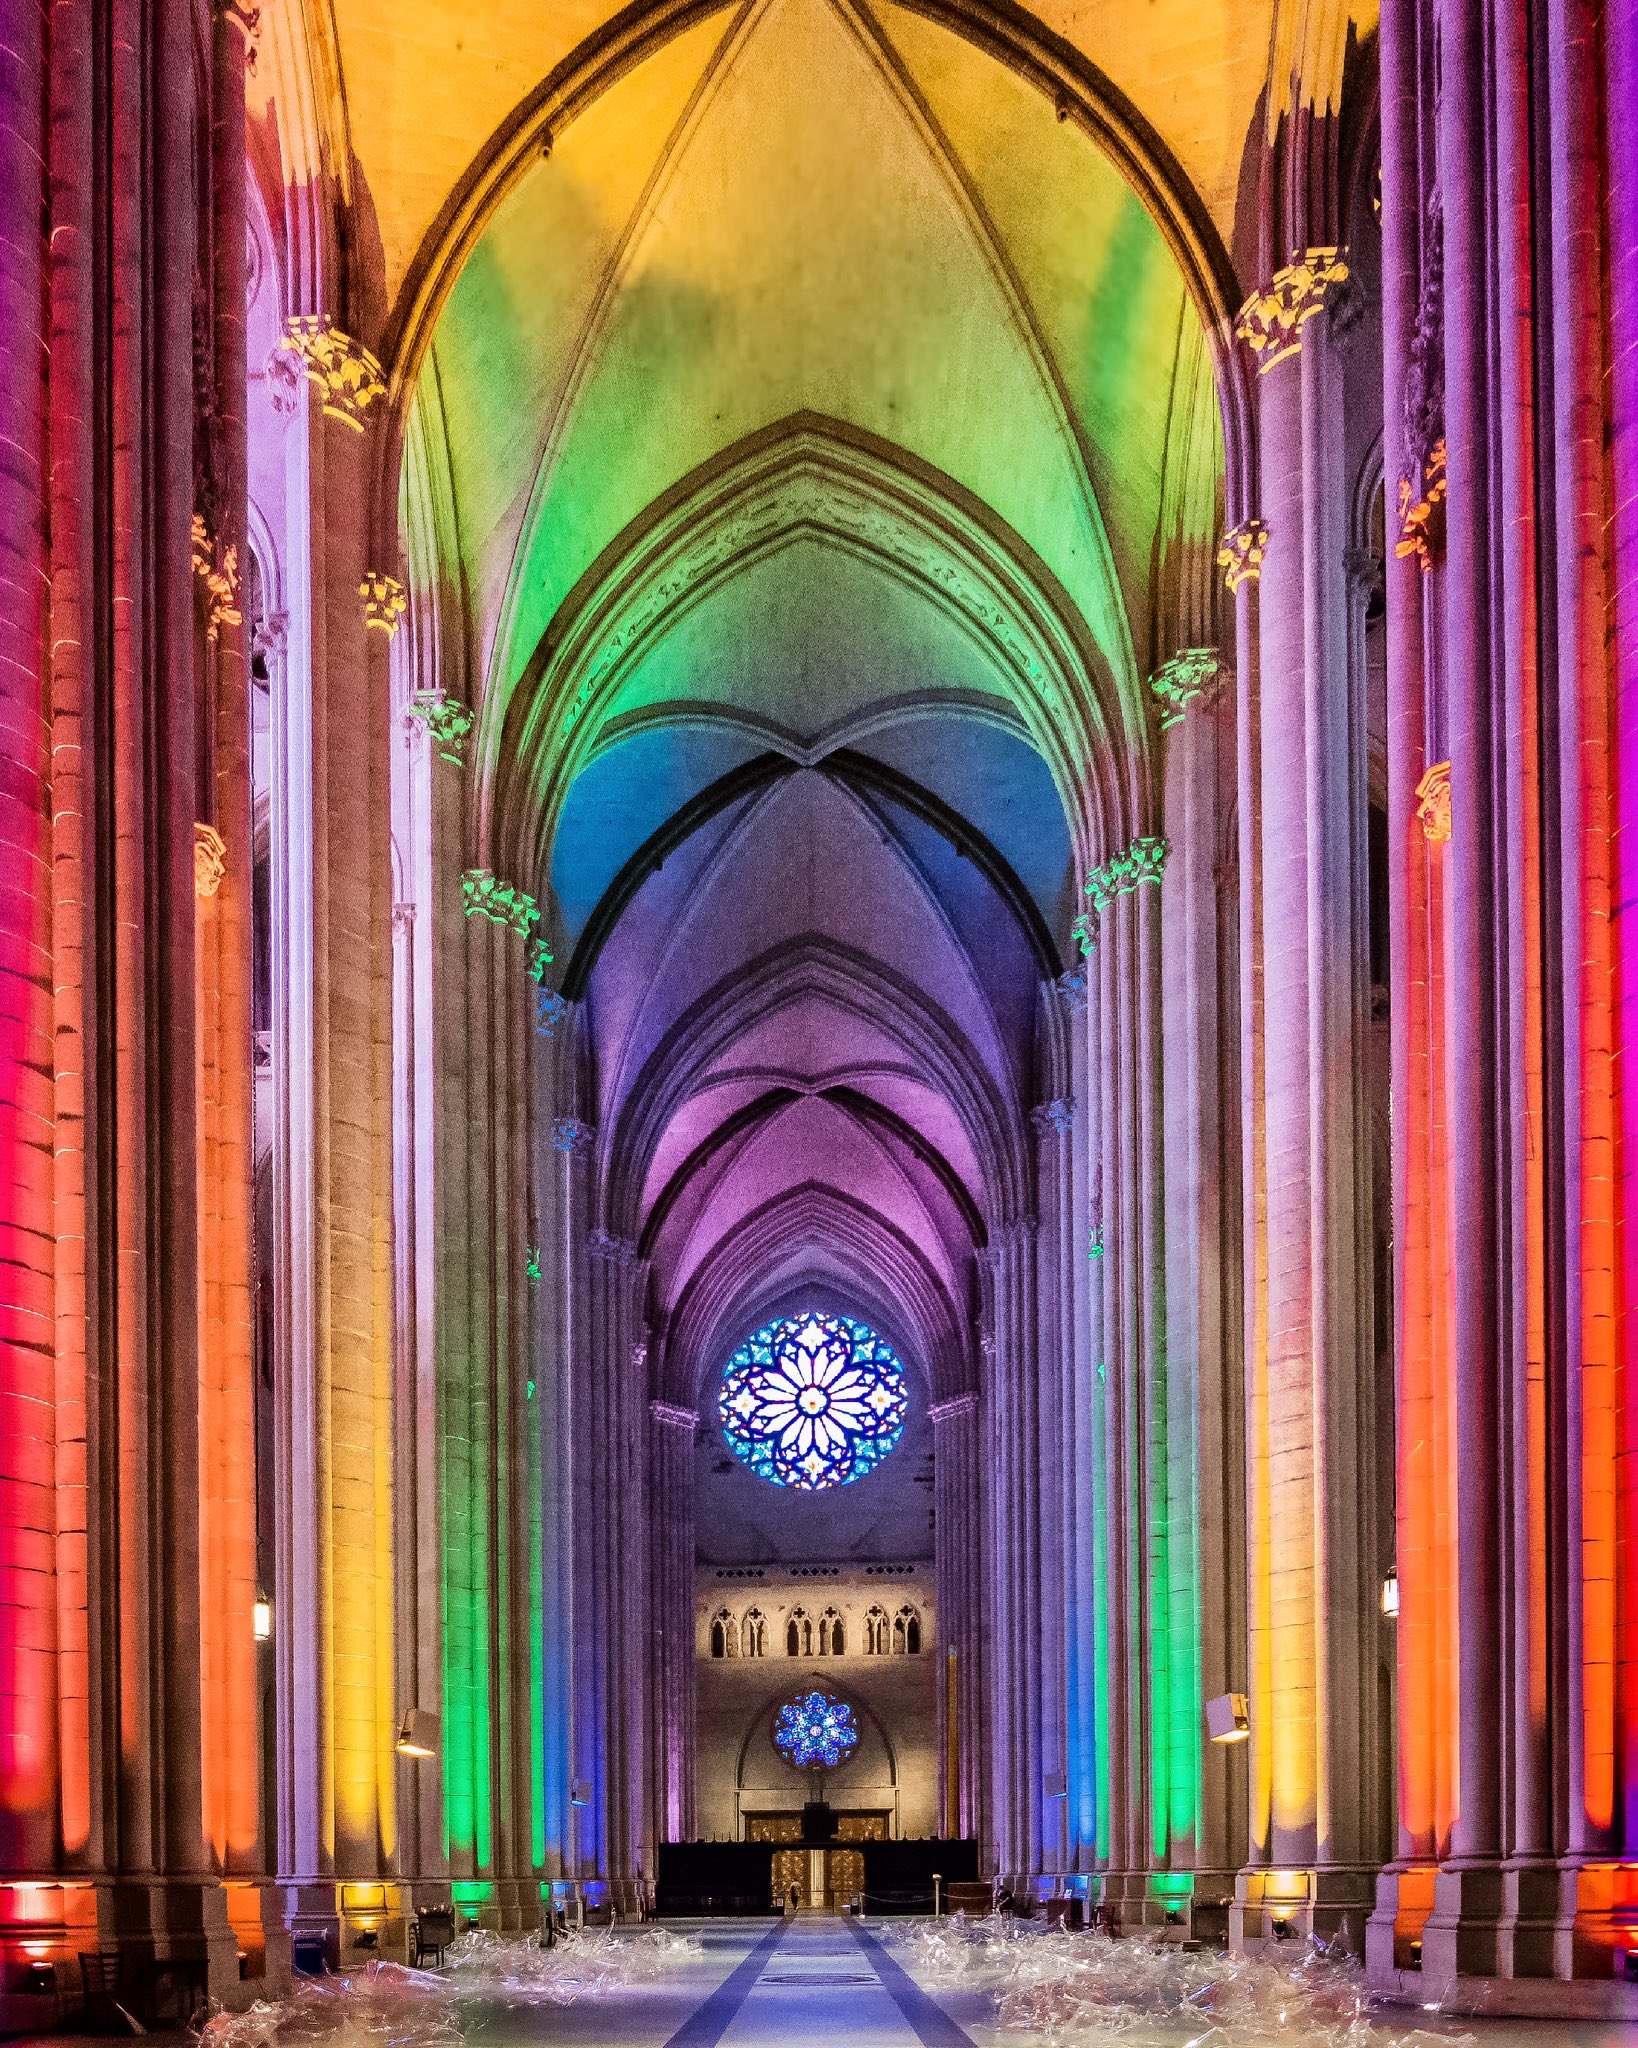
x=671, y=1494
x=127, y=1721
x=958, y=1521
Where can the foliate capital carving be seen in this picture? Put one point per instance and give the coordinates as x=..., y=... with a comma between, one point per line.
x=1086, y=937
x=569, y=1134
x=269, y=635
x=550, y=1010
x=385, y=602
x=1363, y=568
x=403, y=920
x=540, y=957
x=1422, y=511
x=612, y=1250
x=486, y=895
x=1057, y=1117
x=1271, y=321
x=446, y=721
x=1192, y=674
x=1143, y=861
x=209, y=859
x=347, y=378
x=668, y=1416
x=1433, y=802
x=1071, y=987
x=217, y=569
x=1240, y=555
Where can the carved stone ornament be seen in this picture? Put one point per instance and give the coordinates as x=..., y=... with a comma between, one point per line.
x=1143, y=861
x=385, y=603
x=347, y=378
x=209, y=859
x=614, y=1251
x=1192, y=673
x=550, y=1010
x=666, y=1413
x=1271, y=321
x=486, y=895
x=446, y=721
x=1433, y=802
x=1056, y=1117
x=1071, y=986
x=569, y=1134
x=1240, y=555
x=218, y=574
x=1422, y=512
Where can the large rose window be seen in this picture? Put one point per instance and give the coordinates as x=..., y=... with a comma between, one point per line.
x=815, y=1731
x=813, y=1401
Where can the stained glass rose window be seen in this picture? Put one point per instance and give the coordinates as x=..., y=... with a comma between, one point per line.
x=813, y=1401
x=815, y=1731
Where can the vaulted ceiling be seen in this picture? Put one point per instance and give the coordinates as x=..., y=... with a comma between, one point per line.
x=806, y=452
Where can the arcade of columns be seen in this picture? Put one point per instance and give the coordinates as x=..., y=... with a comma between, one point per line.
x=1169, y=1480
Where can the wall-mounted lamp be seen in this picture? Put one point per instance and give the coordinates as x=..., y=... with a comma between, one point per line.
x=261, y=1617
x=419, y=1734
x=1390, y=1594
x=1228, y=1718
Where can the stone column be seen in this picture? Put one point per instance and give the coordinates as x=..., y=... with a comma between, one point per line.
x=1054, y=1124
x=1312, y=1606
x=1205, y=1408
x=959, y=1541
x=332, y=977
x=671, y=1484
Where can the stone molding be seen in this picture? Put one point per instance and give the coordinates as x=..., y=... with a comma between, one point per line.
x=486, y=895
x=1055, y=1117
x=612, y=1250
x=953, y=1409
x=1070, y=987
x=550, y=1010
x=667, y=1415
x=569, y=1134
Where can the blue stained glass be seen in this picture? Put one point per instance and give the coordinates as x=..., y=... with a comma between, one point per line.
x=813, y=1401
x=816, y=1730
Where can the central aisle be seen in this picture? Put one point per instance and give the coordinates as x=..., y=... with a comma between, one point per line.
x=820, y=1980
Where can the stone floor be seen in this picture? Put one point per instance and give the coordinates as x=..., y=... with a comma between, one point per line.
x=829, y=1982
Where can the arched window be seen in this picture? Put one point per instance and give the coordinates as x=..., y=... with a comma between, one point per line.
x=724, y=1635
x=876, y=1633
x=798, y=1634
x=907, y=1633
x=832, y=1634
x=753, y=1634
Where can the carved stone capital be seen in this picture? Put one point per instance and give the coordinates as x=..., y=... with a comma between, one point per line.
x=667, y=1416
x=1071, y=987
x=385, y=602
x=1240, y=555
x=1272, y=320
x=612, y=1250
x=217, y=570
x=344, y=374
x=403, y=920
x=1191, y=676
x=445, y=721
x=550, y=1010
x=486, y=895
x=209, y=859
x=1144, y=860
x=1422, y=511
x=1055, y=1117
x=569, y=1134
x=1433, y=802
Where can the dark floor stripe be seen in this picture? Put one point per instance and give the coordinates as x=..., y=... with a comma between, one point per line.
x=707, y=2023
x=927, y=2020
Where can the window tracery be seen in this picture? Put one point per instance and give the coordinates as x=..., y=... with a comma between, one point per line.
x=832, y=1634
x=724, y=1634
x=813, y=1401
x=877, y=1632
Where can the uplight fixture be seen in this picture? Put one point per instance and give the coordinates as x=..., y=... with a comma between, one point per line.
x=1228, y=1717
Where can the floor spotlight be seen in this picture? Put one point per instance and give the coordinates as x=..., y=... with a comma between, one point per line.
x=419, y=1734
